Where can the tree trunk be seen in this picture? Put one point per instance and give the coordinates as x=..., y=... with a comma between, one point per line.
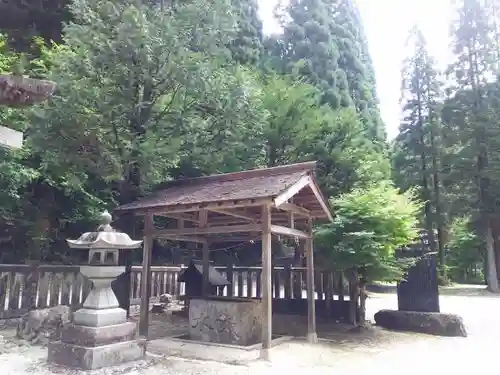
x=483, y=181
x=436, y=172
x=362, y=302
x=426, y=194
x=490, y=256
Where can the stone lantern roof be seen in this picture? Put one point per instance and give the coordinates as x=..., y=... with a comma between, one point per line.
x=105, y=237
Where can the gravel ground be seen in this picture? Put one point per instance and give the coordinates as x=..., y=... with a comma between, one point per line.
x=375, y=351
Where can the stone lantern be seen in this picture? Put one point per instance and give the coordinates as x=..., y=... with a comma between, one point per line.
x=100, y=335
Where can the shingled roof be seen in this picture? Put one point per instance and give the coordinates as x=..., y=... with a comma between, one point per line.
x=250, y=184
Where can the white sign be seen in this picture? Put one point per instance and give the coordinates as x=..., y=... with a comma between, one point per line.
x=10, y=138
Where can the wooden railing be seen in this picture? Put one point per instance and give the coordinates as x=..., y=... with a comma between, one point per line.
x=163, y=280
x=287, y=282
x=23, y=287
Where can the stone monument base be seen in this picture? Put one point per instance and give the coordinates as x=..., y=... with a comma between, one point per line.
x=90, y=348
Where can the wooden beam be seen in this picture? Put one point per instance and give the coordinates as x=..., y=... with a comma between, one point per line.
x=209, y=230
x=278, y=229
x=321, y=200
x=311, y=308
x=146, y=275
x=174, y=237
x=238, y=214
x=205, y=256
x=267, y=296
x=291, y=216
x=293, y=208
x=233, y=239
x=182, y=208
x=184, y=217
x=286, y=195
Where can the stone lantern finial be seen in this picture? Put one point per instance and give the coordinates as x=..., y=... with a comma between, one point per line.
x=106, y=220
x=106, y=217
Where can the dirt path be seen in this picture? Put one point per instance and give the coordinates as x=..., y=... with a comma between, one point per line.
x=379, y=352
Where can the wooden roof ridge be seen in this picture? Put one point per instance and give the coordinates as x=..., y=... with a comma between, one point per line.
x=309, y=166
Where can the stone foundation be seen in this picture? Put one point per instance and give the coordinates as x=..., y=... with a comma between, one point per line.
x=90, y=348
x=93, y=336
x=91, y=358
x=233, y=321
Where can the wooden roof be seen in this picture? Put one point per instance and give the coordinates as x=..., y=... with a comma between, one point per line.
x=241, y=189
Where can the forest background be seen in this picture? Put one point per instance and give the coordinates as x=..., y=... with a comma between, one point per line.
x=154, y=90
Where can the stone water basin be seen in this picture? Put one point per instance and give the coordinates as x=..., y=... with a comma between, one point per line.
x=226, y=320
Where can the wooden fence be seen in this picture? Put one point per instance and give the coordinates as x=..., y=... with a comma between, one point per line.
x=23, y=287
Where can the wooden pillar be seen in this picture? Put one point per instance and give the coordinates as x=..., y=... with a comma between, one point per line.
x=145, y=277
x=267, y=297
x=205, y=255
x=311, y=308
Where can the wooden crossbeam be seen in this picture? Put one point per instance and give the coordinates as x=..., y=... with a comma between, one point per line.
x=182, y=216
x=278, y=229
x=233, y=239
x=174, y=237
x=298, y=210
x=182, y=208
x=209, y=230
x=235, y=213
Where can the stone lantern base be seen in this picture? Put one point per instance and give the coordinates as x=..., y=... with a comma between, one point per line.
x=100, y=335
x=90, y=350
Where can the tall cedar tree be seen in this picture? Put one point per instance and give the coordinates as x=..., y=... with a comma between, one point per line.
x=323, y=41
x=473, y=49
x=419, y=136
x=246, y=47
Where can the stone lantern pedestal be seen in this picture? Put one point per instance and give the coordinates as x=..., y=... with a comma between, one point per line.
x=100, y=335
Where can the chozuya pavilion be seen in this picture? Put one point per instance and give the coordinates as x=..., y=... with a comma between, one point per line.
x=20, y=91
x=233, y=207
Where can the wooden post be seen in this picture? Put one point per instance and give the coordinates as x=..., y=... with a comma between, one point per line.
x=146, y=270
x=267, y=298
x=311, y=308
x=205, y=255
x=230, y=278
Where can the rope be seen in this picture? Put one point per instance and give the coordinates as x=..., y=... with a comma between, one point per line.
x=241, y=244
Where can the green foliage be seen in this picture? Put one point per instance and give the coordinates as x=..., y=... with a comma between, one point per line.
x=247, y=46
x=147, y=94
x=134, y=80
x=325, y=44
x=370, y=225
x=301, y=128
x=459, y=142
x=464, y=251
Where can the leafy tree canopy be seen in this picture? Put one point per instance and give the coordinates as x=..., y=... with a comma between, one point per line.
x=369, y=226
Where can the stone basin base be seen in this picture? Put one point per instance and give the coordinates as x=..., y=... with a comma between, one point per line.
x=231, y=321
